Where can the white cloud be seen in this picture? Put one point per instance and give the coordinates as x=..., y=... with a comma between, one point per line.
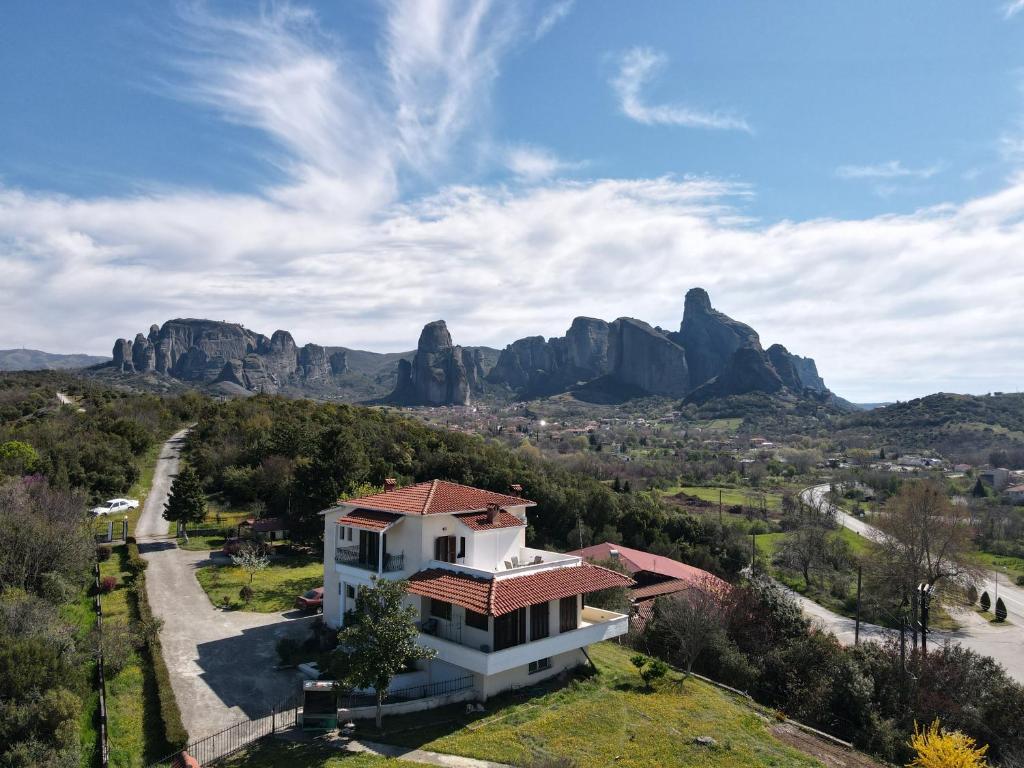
x=892, y=169
x=636, y=69
x=557, y=11
x=532, y=164
x=1012, y=8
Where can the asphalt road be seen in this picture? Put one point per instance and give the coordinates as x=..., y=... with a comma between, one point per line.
x=221, y=662
x=1003, y=642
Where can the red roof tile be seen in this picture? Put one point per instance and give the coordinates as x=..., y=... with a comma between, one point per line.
x=437, y=497
x=478, y=521
x=369, y=519
x=636, y=561
x=661, y=588
x=266, y=524
x=497, y=597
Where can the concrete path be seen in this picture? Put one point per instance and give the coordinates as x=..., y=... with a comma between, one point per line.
x=221, y=662
x=1003, y=642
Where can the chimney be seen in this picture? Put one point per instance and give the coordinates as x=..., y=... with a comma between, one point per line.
x=517, y=490
x=613, y=554
x=390, y=484
x=492, y=512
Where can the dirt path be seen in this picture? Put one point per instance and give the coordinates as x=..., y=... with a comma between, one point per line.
x=221, y=662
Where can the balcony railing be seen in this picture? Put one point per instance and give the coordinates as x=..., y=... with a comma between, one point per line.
x=351, y=556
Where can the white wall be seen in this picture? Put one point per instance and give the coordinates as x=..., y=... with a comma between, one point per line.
x=520, y=676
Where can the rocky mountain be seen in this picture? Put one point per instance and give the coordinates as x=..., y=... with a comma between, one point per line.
x=711, y=355
x=440, y=373
x=37, y=360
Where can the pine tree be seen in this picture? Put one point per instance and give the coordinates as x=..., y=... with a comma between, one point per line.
x=1000, y=609
x=986, y=601
x=187, y=502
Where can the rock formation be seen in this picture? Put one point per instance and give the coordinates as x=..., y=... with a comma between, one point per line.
x=709, y=337
x=440, y=372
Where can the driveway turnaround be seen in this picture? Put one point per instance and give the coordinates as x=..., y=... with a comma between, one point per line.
x=221, y=662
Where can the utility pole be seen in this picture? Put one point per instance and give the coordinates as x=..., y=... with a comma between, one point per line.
x=719, y=506
x=753, y=552
x=856, y=626
x=903, y=648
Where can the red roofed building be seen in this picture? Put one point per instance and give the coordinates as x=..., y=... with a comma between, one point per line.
x=492, y=608
x=654, y=576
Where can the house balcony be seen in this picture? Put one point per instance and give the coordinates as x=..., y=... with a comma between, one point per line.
x=596, y=625
x=368, y=561
x=526, y=561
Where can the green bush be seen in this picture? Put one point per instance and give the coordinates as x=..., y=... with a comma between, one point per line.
x=1020, y=581
x=136, y=563
x=986, y=601
x=1000, y=610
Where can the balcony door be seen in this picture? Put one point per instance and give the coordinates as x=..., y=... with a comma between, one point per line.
x=510, y=629
x=369, y=549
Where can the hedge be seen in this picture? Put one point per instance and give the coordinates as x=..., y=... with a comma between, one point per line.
x=174, y=730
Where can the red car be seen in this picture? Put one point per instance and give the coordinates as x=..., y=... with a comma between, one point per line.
x=313, y=600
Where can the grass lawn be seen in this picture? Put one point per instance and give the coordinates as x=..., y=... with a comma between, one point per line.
x=82, y=615
x=1011, y=567
x=133, y=712
x=273, y=753
x=730, y=496
x=275, y=588
x=606, y=719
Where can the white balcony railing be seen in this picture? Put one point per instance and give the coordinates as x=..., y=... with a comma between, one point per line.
x=596, y=625
x=525, y=561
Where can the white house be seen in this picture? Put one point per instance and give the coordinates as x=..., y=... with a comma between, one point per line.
x=491, y=607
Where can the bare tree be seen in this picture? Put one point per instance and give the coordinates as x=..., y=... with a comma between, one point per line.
x=691, y=619
x=804, y=549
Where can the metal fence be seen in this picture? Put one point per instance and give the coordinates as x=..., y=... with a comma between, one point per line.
x=209, y=749
x=426, y=691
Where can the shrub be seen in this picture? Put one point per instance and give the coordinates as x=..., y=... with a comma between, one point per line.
x=972, y=595
x=1020, y=580
x=653, y=672
x=118, y=641
x=986, y=601
x=287, y=647
x=937, y=748
x=136, y=564
x=1000, y=610
x=108, y=584
x=103, y=553
x=246, y=593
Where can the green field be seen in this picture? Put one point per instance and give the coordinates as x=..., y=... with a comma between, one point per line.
x=606, y=719
x=730, y=496
x=275, y=588
x=273, y=753
x=1011, y=567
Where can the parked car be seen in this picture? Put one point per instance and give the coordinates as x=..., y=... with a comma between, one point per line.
x=313, y=600
x=115, y=506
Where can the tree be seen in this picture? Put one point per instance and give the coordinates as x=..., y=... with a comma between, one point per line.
x=986, y=601
x=937, y=748
x=689, y=621
x=1000, y=609
x=187, y=502
x=251, y=559
x=612, y=598
x=379, y=642
x=17, y=458
x=804, y=549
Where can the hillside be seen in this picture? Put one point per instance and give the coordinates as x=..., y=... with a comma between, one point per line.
x=954, y=425
x=37, y=360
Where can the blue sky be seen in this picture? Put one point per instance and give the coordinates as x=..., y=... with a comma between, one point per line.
x=843, y=176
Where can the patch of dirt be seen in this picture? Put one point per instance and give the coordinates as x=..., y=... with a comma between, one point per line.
x=830, y=753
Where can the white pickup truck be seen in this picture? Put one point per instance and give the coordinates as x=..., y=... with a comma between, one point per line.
x=115, y=506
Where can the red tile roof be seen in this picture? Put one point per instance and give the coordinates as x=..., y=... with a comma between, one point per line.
x=636, y=561
x=437, y=497
x=369, y=519
x=266, y=524
x=497, y=597
x=478, y=521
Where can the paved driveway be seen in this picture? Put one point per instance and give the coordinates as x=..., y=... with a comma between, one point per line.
x=221, y=662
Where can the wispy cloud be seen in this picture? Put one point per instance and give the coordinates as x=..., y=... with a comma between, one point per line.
x=1012, y=8
x=637, y=67
x=892, y=169
x=554, y=14
x=531, y=164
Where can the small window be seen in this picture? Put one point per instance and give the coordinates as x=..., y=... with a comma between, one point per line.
x=349, y=533
x=444, y=549
x=540, y=665
x=462, y=546
x=539, y=618
x=476, y=620
x=441, y=609
x=350, y=592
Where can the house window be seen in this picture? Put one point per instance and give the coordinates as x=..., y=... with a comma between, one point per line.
x=349, y=532
x=540, y=665
x=476, y=620
x=444, y=549
x=510, y=629
x=350, y=592
x=567, y=613
x=441, y=609
x=462, y=546
x=539, y=615
x=369, y=549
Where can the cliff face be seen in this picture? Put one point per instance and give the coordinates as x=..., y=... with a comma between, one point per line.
x=440, y=372
x=206, y=351
x=710, y=350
